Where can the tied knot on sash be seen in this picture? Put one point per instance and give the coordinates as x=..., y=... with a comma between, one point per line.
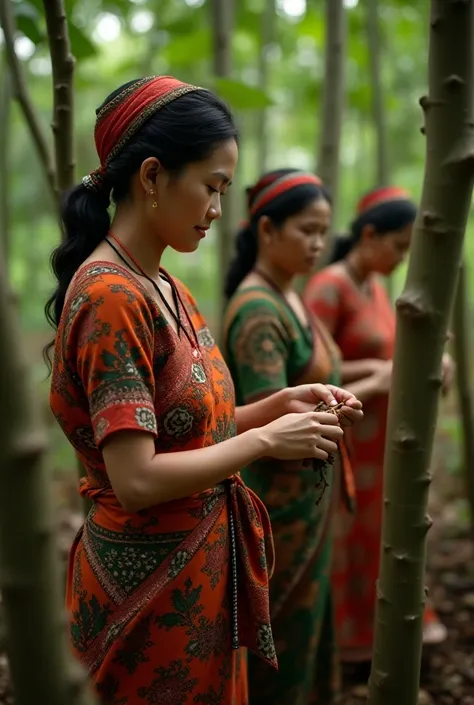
x=255, y=564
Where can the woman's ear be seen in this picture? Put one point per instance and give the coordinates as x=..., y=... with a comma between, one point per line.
x=266, y=230
x=368, y=234
x=149, y=171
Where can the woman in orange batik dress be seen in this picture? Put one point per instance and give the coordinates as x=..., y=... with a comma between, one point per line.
x=168, y=577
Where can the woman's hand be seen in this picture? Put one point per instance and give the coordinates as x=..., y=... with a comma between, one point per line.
x=299, y=436
x=306, y=396
x=447, y=372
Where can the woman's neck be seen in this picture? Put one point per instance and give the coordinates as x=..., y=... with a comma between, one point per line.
x=282, y=280
x=135, y=237
x=357, y=267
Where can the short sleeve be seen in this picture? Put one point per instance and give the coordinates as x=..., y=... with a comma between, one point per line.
x=112, y=334
x=323, y=298
x=257, y=345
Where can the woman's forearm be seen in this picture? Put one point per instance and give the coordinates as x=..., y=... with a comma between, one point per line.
x=168, y=476
x=363, y=389
x=261, y=412
x=352, y=370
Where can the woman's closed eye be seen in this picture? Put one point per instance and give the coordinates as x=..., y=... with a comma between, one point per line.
x=216, y=190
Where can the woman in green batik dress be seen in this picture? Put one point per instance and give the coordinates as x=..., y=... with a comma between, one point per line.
x=271, y=343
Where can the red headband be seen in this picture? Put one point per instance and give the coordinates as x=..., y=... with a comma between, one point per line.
x=379, y=196
x=279, y=185
x=120, y=118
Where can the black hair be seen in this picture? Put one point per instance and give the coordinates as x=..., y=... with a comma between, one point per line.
x=186, y=130
x=388, y=217
x=279, y=209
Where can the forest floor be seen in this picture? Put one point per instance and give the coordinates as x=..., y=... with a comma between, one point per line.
x=448, y=670
x=447, y=676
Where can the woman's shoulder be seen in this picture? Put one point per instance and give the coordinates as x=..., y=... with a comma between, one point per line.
x=257, y=308
x=334, y=274
x=249, y=300
x=106, y=286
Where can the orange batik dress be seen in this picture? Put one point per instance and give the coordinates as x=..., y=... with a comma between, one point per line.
x=160, y=600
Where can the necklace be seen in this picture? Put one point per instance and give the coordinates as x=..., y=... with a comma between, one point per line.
x=281, y=294
x=363, y=285
x=269, y=281
x=196, y=350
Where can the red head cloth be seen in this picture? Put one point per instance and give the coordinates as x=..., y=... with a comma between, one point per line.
x=271, y=186
x=379, y=196
x=121, y=117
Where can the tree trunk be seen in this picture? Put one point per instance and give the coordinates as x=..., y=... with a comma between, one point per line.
x=62, y=63
x=333, y=96
x=267, y=36
x=333, y=104
x=461, y=325
x=5, y=122
x=378, y=107
x=20, y=90
x=223, y=15
x=41, y=669
x=423, y=312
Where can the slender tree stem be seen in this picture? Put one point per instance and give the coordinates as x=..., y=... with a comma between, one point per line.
x=461, y=327
x=267, y=36
x=378, y=108
x=21, y=93
x=423, y=312
x=333, y=96
x=5, y=122
x=62, y=63
x=223, y=17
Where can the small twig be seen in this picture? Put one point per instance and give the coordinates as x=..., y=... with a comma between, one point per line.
x=20, y=90
x=62, y=62
x=320, y=466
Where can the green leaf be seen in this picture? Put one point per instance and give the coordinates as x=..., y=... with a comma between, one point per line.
x=81, y=46
x=188, y=49
x=171, y=619
x=240, y=95
x=312, y=26
x=193, y=596
x=179, y=601
x=109, y=359
x=28, y=21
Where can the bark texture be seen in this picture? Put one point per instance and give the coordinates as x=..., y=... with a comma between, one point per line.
x=333, y=96
x=378, y=107
x=462, y=348
x=267, y=37
x=223, y=17
x=423, y=312
x=62, y=63
x=5, y=122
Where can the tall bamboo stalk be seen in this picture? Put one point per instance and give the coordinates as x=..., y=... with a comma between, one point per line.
x=423, y=312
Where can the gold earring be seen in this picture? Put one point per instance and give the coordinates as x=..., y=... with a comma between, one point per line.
x=152, y=193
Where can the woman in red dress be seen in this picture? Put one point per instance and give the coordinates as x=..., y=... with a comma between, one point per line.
x=168, y=577
x=353, y=303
